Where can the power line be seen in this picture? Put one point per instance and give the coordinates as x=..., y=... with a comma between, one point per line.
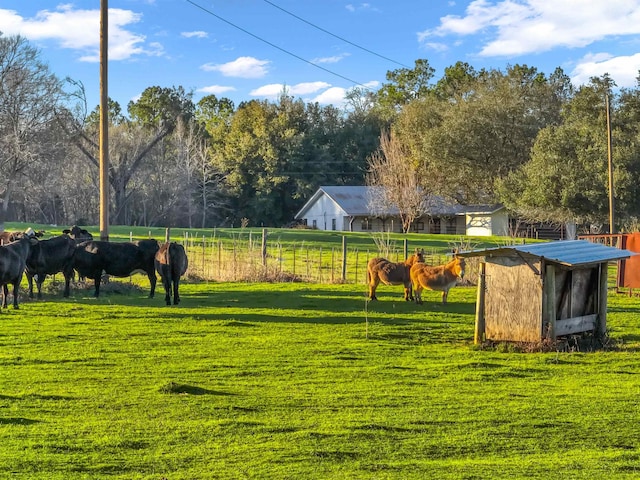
x=274, y=45
x=334, y=35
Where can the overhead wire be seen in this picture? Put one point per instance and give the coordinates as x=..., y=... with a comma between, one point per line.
x=276, y=46
x=334, y=35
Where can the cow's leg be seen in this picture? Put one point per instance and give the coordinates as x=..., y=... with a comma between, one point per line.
x=96, y=282
x=166, y=283
x=176, y=295
x=67, y=279
x=152, y=281
x=5, y=294
x=16, y=288
x=39, y=282
x=30, y=282
x=444, y=297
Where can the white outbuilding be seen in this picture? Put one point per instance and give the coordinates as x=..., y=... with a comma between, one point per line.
x=350, y=208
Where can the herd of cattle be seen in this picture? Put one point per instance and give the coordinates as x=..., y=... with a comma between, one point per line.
x=75, y=251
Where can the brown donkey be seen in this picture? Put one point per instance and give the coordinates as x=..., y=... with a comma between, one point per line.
x=391, y=273
x=440, y=278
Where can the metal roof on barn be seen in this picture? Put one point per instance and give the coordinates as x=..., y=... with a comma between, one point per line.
x=564, y=252
x=357, y=200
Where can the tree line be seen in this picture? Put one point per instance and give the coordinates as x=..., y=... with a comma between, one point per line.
x=534, y=142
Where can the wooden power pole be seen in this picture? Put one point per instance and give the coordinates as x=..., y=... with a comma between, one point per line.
x=610, y=163
x=104, y=121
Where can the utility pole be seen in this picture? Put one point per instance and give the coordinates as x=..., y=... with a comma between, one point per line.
x=610, y=163
x=104, y=121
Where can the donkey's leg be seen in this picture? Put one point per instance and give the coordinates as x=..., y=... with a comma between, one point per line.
x=418, y=294
x=407, y=292
x=373, y=284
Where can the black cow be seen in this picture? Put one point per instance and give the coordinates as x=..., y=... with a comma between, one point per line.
x=171, y=263
x=48, y=257
x=95, y=257
x=78, y=234
x=13, y=261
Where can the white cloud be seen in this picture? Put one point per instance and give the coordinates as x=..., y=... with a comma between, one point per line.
x=242, y=67
x=307, y=88
x=216, y=89
x=362, y=6
x=437, y=46
x=532, y=26
x=332, y=96
x=196, y=34
x=622, y=69
x=274, y=90
x=268, y=91
x=68, y=27
x=334, y=59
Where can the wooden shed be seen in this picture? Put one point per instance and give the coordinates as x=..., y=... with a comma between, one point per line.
x=527, y=293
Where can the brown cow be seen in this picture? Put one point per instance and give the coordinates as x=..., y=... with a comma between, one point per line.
x=171, y=263
x=440, y=278
x=8, y=237
x=391, y=273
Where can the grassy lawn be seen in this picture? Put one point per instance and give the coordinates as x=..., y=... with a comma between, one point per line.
x=305, y=381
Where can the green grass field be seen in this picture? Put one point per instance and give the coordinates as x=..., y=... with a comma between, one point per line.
x=305, y=381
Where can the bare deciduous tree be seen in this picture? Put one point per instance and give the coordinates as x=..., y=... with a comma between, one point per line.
x=201, y=181
x=29, y=95
x=397, y=178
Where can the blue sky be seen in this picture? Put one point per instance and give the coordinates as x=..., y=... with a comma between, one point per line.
x=318, y=49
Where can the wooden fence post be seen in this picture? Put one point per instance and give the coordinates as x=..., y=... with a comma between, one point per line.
x=264, y=247
x=333, y=262
x=480, y=306
x=294, y=261
x=549, y=300
x=167, y=235
x=344, y=259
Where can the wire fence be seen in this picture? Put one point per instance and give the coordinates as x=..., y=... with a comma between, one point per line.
x=258, y=259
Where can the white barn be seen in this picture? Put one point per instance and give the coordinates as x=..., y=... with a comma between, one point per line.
x=348, y=208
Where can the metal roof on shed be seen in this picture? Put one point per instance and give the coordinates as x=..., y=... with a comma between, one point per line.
x=565, y=252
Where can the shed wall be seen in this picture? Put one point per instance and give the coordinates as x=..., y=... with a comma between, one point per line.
x=513, y=302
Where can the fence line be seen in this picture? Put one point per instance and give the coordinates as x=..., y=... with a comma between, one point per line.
x=247, y=260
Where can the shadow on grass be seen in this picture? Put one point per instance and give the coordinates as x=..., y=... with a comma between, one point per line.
x=18, y=421
x=299, y=303
x=36, y=396
x=179, y=388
